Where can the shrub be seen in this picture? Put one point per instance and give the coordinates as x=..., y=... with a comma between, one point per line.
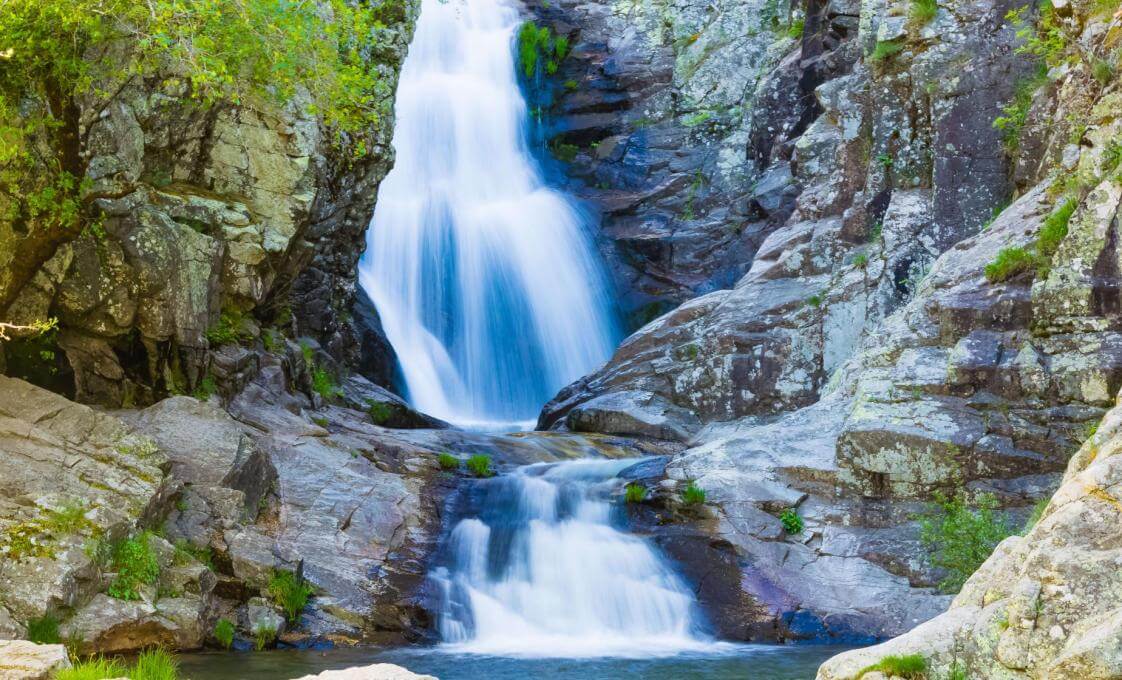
x=693, y=494
x=323, y=382
x=43, y=630
x=93, y=669
x=206, y=387
x=795, y=30
x=885, y=49
x=923, y=11
x=290, y=593
x=224, y=633
x=155, y=664
x=380, y=412
x=1016, y=111
x=480, y=465
x=911, y=666
x=791, y=520
x=634, y=493
x=448, y=461
x=185, y=551
x=1103, y=71
x=135, y=563
x=537, y=44
x=960, y=538
x=1009, y=262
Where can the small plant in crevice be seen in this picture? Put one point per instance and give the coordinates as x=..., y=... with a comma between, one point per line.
x=1015, y=113
x=814, y=301
x=206, y=388
x=884, y=50
x=959, y=537
x=795, y=30
x=537, y=46
x=448, y=462
x=290, y=592
x=322, y=421
x=43, y=630
x=135, y=564
x=480, y=465
x=224, y=633
x=1009, y=262
x=909, y=667
x=860, y=260
x=693, y=494
x=634, y=493
x=1038, y=509
x=229, y=329
x=1102, y=71
x=791, y=520
x=885, y=160
x=922, y=11
x=380, y=412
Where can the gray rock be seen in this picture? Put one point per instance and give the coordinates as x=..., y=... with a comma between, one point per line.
x=22, y=660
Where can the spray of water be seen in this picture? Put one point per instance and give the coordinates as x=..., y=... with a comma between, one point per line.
x=486, y=282
x=542, y=571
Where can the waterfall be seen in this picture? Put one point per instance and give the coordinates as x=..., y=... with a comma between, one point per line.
x=488, y=287
x=542, y=571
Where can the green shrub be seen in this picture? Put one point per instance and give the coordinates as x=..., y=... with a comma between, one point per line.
x=1009, y=262
x=135, y=563
x=290, y=593
x=814, y=301
x=93, y=669
x=795, y=30
x=155, y=664
x=206, y=387
x=185, y=551
x=1103, y=71
x=634, y=493
x=1054, y=229
x=959, y=538
x=923, y=11
x=228, y=329
x=448, y=461
x=43, y=630
x=380, y=412
x=1112, y=157
x=480, y=465
x=791, y=520
x=693, y=494
x=885, y=160
x=885, y=49
x=537, y=44
x=911, y=666
x=323, y=382
x=263, y=635
x=571, y=85
x=224, y=633
x=1015, y=113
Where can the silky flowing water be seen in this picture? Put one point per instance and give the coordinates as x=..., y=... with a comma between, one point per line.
x=486, y=281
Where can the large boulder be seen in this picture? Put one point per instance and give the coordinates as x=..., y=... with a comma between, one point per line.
x=22, y=660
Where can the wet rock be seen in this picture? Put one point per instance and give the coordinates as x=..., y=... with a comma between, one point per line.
x=378, y=671
x=640, y=414
x=385, y=408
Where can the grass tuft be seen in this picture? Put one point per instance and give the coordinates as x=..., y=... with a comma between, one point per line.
x=634, y=493
x=1009, y=262
x=884, y=50
x=155, y=664
x=448, y=462
x=44, y=630
x=93, y=669
x=290, y=593
x=923, y=11
x=480, y=465
x=910, y=666
x=693, y=494
x=224, y=633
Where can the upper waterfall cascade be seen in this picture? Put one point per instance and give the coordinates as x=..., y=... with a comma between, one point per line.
x=488, y=287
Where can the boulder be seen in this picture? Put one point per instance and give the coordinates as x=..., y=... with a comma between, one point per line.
x=22, y=660
x=378, y=671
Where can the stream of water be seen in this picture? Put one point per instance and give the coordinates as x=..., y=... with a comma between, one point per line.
x=488, y=285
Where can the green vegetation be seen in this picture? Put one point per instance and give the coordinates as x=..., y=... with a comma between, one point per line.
x=229, y=329
x=861, y=260
x=885, y=160
x=911, y=666
x=37, y=537
x=537, y=45
x=155, y=664
x=323, y=382
x=1102, y=71
x=93, y=669
x=206, y=387
x=224, y=633
x=43, y=630
x=1015, y=113
x=876, y=232
x=693, y=494
x=1038, y=509
x=290, y=593
x=697, y=118
x=322, y=421
x=263, y=635
x=185, y=552
x=885, y=49
x=1112, y=157
x=1043, y=38
x=380, y=412
x=135, y=564
x=814, y=301
x=923, y=11
x=1015, y=260
x=564, y=151
x=634, y=493
x=570, y=85
x=795, y=30
x=960, y=537
x=1009, y=262
x=480, y=465
x=448, y=462
x=791, y=520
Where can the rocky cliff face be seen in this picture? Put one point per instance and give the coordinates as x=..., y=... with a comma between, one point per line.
x=865, y=361
x=212, y=217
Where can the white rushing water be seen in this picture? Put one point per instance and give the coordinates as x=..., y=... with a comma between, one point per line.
x=487, y=285
x=542, y=572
